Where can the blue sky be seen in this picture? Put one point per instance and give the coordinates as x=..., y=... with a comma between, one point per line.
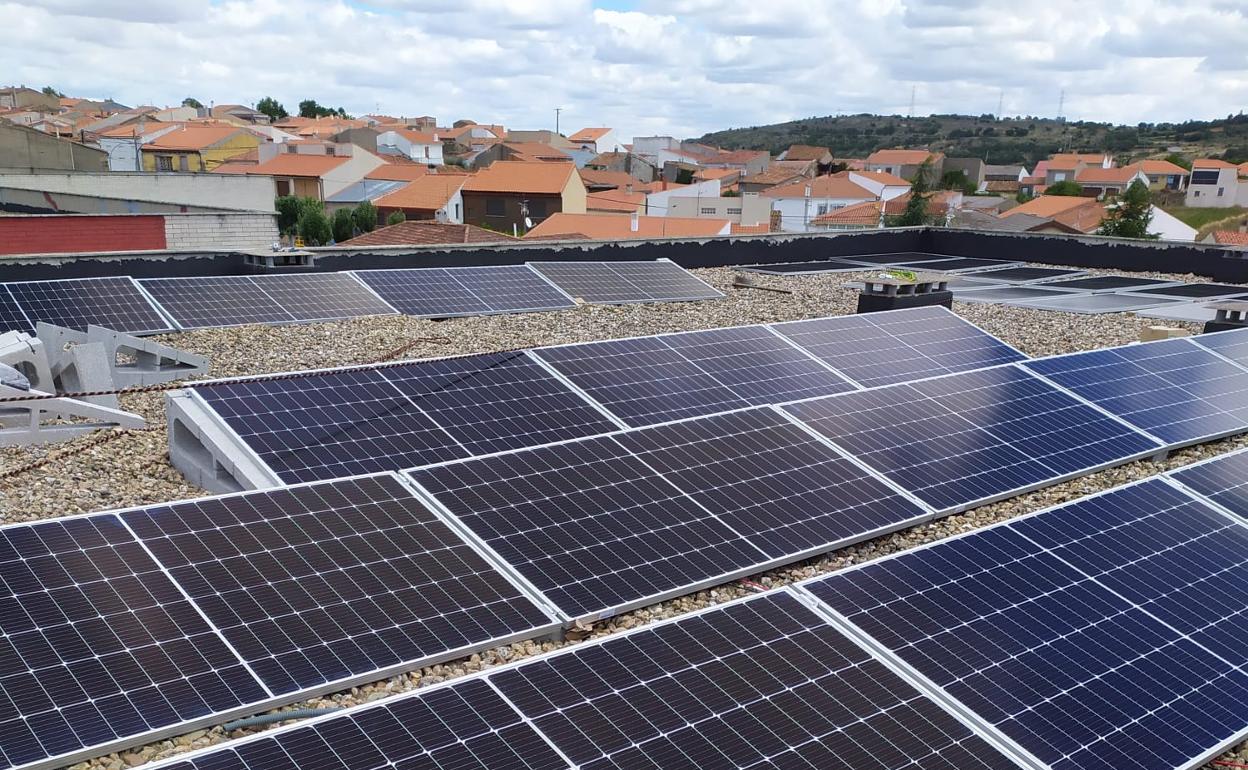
x=680, y=67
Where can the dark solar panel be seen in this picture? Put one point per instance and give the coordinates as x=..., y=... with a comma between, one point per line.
x=1173, y=389
x=784, y=489
x=1233, y=344
x=114, y=303
x=198, y=303
x=98, y=645
x=1027, y=274
x=1223, y=480
x=798, y=268
x=1083, y=654
x=647, y=380
x=318, y=584
x=512, y=288
x=1007, y=294
x=963, y=263
x=349, y=422
x=463, y=725
x=12, y=319
x=895, y=258
x=883, y=348
x=1105, y=283
x=592, y=527
x=622, y=282
x=763, y=683
x=1096, y=303
x=430, y=292
x=1195, y=290
x=969, y=438
x=322, y=296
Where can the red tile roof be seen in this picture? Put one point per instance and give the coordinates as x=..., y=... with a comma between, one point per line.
x=589, y=134
x=833, y=186
x=612, y=179
x=294, y=164
x=616, y=201
x=866, y=214
x=397, y=173
x=1230, y=238
x=903, y=157
x=609, y=227
x=539, y=178
x=1095, y=175
x=1159, y=168
x=191, y=138
x=417, y=232
x=428, y=193
x=806, y=152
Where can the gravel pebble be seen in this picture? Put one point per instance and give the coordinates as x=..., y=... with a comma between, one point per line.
x=133, y=468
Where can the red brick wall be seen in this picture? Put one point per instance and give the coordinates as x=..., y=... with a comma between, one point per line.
x=64, y=234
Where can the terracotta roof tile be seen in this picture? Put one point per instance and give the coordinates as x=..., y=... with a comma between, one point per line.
x=615, y=200
x=589, y=134
x=806, y=152
x=192, y=138
x=1230, y=238
x=609, y=227
x=1159, y=168
x=833, y=186
x=891, y=180
x=612, y=179
x=416, y=233
x=1095, y=175
x=1048, y=205
x=903, y=157
x=522, y=177
x=866, y=214
x=397, y=173
x=293, y=164
x=428, y=193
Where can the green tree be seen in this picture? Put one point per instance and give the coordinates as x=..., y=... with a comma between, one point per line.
x=1179, y=160
x=50, y=91
x=956, y=179
x=1023, y=197
x=271, y=107
x=1130, y=215
x=191, y=101
x=342, y=225
x=395, y=218
x=1065, y=187
x=915, y=213
x=365, y=216
x=314, y=228
x=287, y=214
x=309, y=108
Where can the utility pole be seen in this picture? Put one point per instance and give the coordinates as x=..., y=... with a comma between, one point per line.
x=1000, y=104
x=557, y=111
x=913, y=90
x=1061, y=105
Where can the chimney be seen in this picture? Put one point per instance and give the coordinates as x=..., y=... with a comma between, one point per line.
x=628, y=188
x=634, y=224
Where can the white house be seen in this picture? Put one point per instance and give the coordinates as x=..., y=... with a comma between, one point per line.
x=1170, y=227
x=124, y=142
x=598, y=140
x=883, y=186
x=800, y=202
x=417, y=145
x=1217, y=184
x=658, y=203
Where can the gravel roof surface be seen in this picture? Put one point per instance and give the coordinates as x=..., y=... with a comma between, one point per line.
x=127, y=468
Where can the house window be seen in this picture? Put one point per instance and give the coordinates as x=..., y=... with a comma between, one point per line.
x=821, y=209
x=331, y=150
x=283, y=187
x=734, y=212
x=495, y=207
x=291, y=149
x=164, y=163
x=1195, y=193
x=1220, y=189
x=537, y=209
x=457, y=211
x=183, y=165
x=706, y=210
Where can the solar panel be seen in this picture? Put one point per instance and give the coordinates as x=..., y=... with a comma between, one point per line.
x=761, y=683
x=322, y=296
x=1096, y=303
x=99, y=645
x=895, y=258
x=1008, y=294
x=447, y=292
x=589, y=525
x=1224, y=480
x=800, y=268
x=1028, y=274
x=11, y=316
x=318, y=584
x=772, y=481
x=1106, y=283
x=353, y=421
x=212, y=301
x=460, y=725
x=970, y=438
x=894, y=346
x=1172, y=389
x=1195, y=290
x=646, y=380
x=114, y=303
x=1080, y=633
x=961, y=264
x=621, y=282
x=1195, y=312
x=1232, y=344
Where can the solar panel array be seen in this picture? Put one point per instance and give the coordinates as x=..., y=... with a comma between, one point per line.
x=351, y=421
x=1110, y=627
x=623, y=282
x=120, y=627
x=761, y=683
x=446, y=292
x=115, y=303
x=908, y=260
x=1049, y=289
x=197, y=303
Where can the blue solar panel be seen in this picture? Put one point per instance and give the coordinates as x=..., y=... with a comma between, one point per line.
x=112, y=302
x=445, y=292
x=1233, y=344
x=1223, y=480
x=647, y=380
x=885, y=348
x=1081, y=667
x=1172, y=389
x=11, y=316
x=968, y=438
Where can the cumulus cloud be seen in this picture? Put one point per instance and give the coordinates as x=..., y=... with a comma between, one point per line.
x=664, y=66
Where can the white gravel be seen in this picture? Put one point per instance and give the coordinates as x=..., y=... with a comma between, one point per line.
x=133, y=468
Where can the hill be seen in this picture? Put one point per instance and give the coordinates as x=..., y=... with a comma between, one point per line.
x=1007, y=140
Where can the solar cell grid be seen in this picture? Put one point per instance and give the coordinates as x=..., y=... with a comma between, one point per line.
x=1195, y=290
x=1172, y=389
x=648, y=380
x=967, y=438
x=1224, y=480
x=429, y=291
x=1096, y=303
x=763, y=683
x=894, y=258
x=11, y=316
x=1007, y=294
x=621, y=282
x=114, y=303
x=883, y=348
x=210, y=301
x=1232, y=344
x=98, y=644
x=322, y=296
x=1105, y=283
x=512, y=288
x=1024, y=274
x=1074, y=665
x=317, y=584
x=664, y=280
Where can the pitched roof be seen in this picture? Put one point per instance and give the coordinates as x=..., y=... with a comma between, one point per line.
x=1066, y=160
x=589, y=134
x=414, y=136
x=982, y=220
x=833, y=186
x=866, y=214
x=884, y=178
x=903, y=157
x=397, y=172
x=735, y=156
x=418, y=232
x=607, y=227
x=1002, y=186
x=193, y=138
x=1211, y=163
x=806, y=152
x=607, y=179
x=428, y=193
x=707, y=174
x=1159, y=168
x=774, y=175
x=759, y=229
x=1085, y=219
x=1096, y=175
x=1048, y=205
x=615, y=200
x=535, y=151
x=295, y=164
x=1230, y=238
x=509, y=176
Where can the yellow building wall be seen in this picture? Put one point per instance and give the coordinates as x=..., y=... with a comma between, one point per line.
x=236, y=145
x=574, y=195
x=193, y=161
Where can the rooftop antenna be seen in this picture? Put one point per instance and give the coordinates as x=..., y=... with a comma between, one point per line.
x=913, y=90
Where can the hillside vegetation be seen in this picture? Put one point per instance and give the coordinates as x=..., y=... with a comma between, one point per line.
x=1008, y=140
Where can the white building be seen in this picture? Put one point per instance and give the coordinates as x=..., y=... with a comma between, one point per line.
x=748, y=209
x=596, y=140
x=1217, y=184
x=883, y=186
x=419, y=146
x=123, y=143
x=800, y=202
x=1170, y=227
x=658, y=203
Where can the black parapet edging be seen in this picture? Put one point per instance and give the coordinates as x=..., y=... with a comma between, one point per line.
x=145, y=264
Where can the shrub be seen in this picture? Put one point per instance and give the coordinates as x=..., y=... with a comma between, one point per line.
x=314, y=228
x=396, y=217
x=365, y=216
x=343, y=225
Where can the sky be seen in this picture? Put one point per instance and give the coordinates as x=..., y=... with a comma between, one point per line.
x=674, y=67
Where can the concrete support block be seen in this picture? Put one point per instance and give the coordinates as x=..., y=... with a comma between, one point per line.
x=45, y=420
x=207, y=452
x=85, y=369
x=29, y=356
x=134, y=361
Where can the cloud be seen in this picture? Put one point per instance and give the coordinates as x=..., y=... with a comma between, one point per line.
x=681, y=67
